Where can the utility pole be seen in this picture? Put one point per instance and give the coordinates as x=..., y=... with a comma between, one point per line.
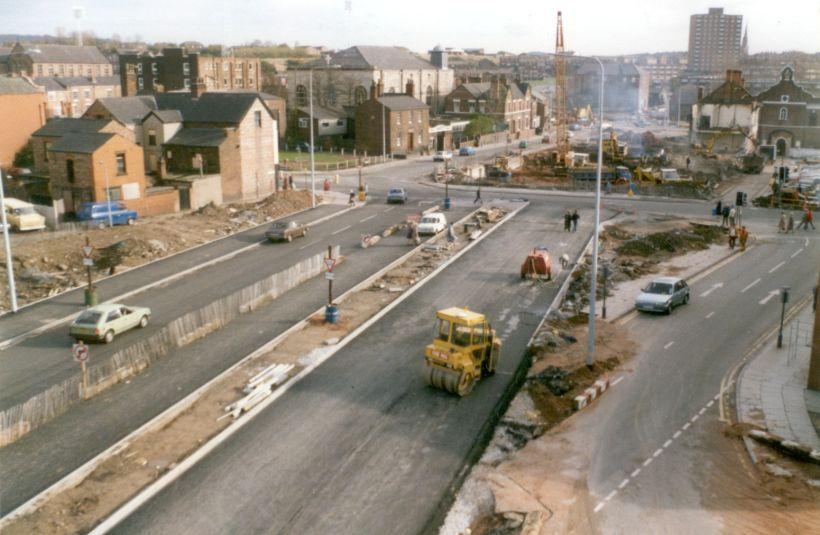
x=331, y=310
x=90, y=291
x=384, y=135
x=107, y=195
x=7, y=244
x=606, y=276
x=312, y=162
x=784, y=298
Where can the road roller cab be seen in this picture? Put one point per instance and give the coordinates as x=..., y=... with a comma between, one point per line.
x=465, y=349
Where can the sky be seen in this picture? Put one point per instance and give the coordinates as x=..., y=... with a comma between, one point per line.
x=600, y=27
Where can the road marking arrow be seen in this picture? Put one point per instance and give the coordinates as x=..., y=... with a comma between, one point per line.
x=768, y=297
x=712, y=289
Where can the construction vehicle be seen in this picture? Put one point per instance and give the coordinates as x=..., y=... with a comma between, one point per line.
x=705, y=150
x=537, y=264
x=614, y=151
x=465, y=349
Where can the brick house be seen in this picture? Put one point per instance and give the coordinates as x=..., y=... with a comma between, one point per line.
x=788, y=116
x=503, y=101
x=158, y=127
x=36, y=60
x=43, y=138
x=406, y=122
x=129, y=111
x=22, y=107
x=326, y=122
x=82, y=165
x=71, y=96
x=176, y=69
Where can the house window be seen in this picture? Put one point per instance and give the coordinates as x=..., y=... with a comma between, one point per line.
x=303, y=122
x=257, y=118
x=187, y=83
x=225, y=82
x=71, y=70
x=62, y=69
x=419, y=139
x=140, y=84
x=186, y=68
x=784, y=114
x=87, y=94
x=398, y=140
x=812, y=118
x=456, y=105
x=428, y=99
x=301, y=95
x=51, y=70
x=152, y=137
x=139, y=68
x=52, y=96
x=341, y=122
x=69, y=170
x=324, y=124
x=418, y=117
x=331, y=96
x=115, y=193
x=121, y=163
x=225, y=67
x=109, y=93
x=39, y=70
x=784, y=98
x=398, y=118
x=46, y=148
x=359, y=95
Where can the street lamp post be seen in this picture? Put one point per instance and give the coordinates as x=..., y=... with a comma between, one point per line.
x=384, y=136
x=7, y=244
x=312, y=162
x=107, y=194
x=784, y=298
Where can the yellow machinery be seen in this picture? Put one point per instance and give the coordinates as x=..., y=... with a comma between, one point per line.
x=464, y=350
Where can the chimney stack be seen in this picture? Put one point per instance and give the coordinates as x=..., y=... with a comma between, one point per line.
x=410, y=88
x=373, y=90
x=380, y=88
x=734, y=76
x=198, y=88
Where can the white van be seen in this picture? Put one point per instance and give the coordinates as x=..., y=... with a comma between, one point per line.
x=432, y=223
x=21, y=216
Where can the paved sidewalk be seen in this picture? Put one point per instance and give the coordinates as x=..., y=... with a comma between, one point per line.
x=772, y=387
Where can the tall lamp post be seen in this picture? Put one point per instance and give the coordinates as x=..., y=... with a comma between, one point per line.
x=107, y=194
x=7, y=244
x=312, y=162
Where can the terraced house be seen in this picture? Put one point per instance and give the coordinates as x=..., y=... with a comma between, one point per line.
x=37, y=60
x=507, y=103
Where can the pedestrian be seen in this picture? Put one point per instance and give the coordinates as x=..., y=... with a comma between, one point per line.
x=732, y=216
x=781, y=224
x=743, y=236
x=351, y=198
x=478, y=195
x=725, y=213
x=808, y=219
x=688, y=161
x=290, y=180
x=567, y=220
x=732, y=237
x=575, y=218
x=789, y=224
x=719, y=208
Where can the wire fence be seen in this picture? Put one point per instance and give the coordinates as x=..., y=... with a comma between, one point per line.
x=798, y=339
x=350, y=163
x=20, y=419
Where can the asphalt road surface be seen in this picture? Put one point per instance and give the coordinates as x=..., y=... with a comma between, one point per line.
x=362, y=445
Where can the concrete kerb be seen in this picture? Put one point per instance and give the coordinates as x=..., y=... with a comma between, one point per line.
x=5, y=344
x=172, y=475
x=161, y=420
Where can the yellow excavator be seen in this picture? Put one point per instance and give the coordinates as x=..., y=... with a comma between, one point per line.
x=465, y=349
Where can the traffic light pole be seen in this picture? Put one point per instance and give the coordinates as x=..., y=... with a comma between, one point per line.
x=784, y=298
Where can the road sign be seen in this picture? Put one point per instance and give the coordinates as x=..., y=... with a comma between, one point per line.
x=329, y=275
x=330, y=263
x=87, y=250
x=80, y=352
x=88, y=261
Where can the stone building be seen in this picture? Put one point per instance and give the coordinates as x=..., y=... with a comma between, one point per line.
x=36, y=60
x=726, y=119
x=788, y=116
x=22, y=107
x=503, y=101
x=68, y=96
x=400, y=123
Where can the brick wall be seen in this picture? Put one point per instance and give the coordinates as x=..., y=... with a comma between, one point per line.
x=22, y=115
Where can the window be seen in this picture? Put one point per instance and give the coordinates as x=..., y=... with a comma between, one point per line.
x=784, y=114
x=813, y=118
x=71, y=70
x=115, y=193
x=69, y=171
x=187, y=83
x=155, y=82
x=52, y=96
x=51, y=70
x=257, y=118
x=324, y=124
x=419, y=139
x=140, y=84
x=301, y=95
x=39, y=70
x=62, y=69
x=87, y=94
x=341, y=122
x=46, y=148
x=186, y=68
x=225, y=82
x=398, y=119
x=109, y=93
x=152, y=137
x=456, y=105
x=121, y=163
x=225, y=67
x=418, y=117
x=303, y=122
x=114, y=314
x=359, y=95
x=398, y=140
x=784, y=98
x=443, y=330
x=250, y=66
x=428, y=99
x=139, y=68
x=331, y=96
x=154, y=69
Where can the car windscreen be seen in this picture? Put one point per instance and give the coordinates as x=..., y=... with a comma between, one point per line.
x=24, y=210
x=89, y=317
x=429, y=220
x=395, y=191
x=663, y=288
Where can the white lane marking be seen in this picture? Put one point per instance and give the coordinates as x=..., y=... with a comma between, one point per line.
x=618, y=380
x=797, y=252
x=686, y=426
x=700, y=412
x=635, y=473
x=610, y=495
x=712, y=289
x=657, y=452
x=667, y=443
x=341, y=230
x=709, y=315
x=624, y=483
x=598, y=507
x=778, y=266
x=750, y=286
x=711, y=402
x=308, y=245
x=391, y=208
x=768, y=297
x=670, y=344
x=806, y=243
x=717, y=396
x=694, y=418
x=647, y=462
x=366, y=218
x=676, y=435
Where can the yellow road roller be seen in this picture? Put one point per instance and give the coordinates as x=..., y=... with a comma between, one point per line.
x=464, y=350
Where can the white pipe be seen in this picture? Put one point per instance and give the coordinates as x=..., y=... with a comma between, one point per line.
x=7, y=243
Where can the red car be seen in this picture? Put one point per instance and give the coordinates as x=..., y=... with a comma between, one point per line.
x=537, y=264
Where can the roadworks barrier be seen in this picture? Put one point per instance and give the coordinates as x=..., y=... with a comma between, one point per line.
x=20, y=419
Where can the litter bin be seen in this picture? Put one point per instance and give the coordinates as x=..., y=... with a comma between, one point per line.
x=447, y=203
x=332, y=314
x=91, y=297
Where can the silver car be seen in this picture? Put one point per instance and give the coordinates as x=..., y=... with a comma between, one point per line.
x=662, y=295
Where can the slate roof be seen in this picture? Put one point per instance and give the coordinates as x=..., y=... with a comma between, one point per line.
x=129, y=110
x=398, y=102
x=198, y=137
x=482, y=90
x=84, y=142
x=182, y=102
x=61, y=83
x=320, y=112
x=221, y=107
x=378, y=57
x=167, y=116
x=62, y=126
x=729, y=93
x=13, y=85
x=64, y=54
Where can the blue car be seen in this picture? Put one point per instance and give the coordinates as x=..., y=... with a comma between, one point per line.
x=466, y=151
x=97, y=213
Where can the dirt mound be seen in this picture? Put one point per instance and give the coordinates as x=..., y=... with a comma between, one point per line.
x=676, y=241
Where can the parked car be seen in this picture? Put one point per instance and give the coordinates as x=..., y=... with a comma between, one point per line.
x=97, y=213
x=432, y=223
x=574, y=126
x=662, y=295
x=103, y=322
x=442, y=156
x=396, y=194
x=21, y=216
x=466, y=151
x=285, y=231
x=523, y=144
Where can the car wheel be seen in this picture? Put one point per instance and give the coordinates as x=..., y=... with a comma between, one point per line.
x=686, y=299
x=109, y=337
x=130, y=221
x=668, y=310
x=143, y=322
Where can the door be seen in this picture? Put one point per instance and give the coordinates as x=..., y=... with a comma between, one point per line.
x=114, y=322
x=184, y=198
x=410, y=142
x=782, y=148
x=153, y=165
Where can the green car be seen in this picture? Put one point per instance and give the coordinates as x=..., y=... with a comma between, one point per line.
x=523, y=144
x=103, y=322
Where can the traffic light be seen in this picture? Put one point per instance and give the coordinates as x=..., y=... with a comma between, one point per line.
x=787, y=172
x=740, y=198
x=781, y=173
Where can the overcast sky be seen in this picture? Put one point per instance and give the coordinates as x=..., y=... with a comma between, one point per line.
x=604, y=27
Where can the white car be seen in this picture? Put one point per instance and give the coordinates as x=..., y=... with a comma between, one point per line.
x=432, y=223
x=443, y=156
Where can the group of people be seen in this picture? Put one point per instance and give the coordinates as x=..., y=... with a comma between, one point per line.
x=729, y=218
x=571, y=220
x=786, y=223
x=287, y=182
x=738, y=234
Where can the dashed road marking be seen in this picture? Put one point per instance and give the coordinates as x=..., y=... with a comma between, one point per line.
x=778, y=266
x=308, y=245
x=635, y=473
x=618, y=380
x=670, y=344
x=647, y=462
x=391, y=208
x=709, y=315
x=750, y=286
x=610, y=495
x=624, y=483
x=366, y=218
x=797, y=252
x=677, y=434
x=711, y=402
x=667, y=443
x=694, y=418
x=598, y=507
x=686, y=426
x=657, y=453
x=341, y=230
x=717, y=396
x=700, y=412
